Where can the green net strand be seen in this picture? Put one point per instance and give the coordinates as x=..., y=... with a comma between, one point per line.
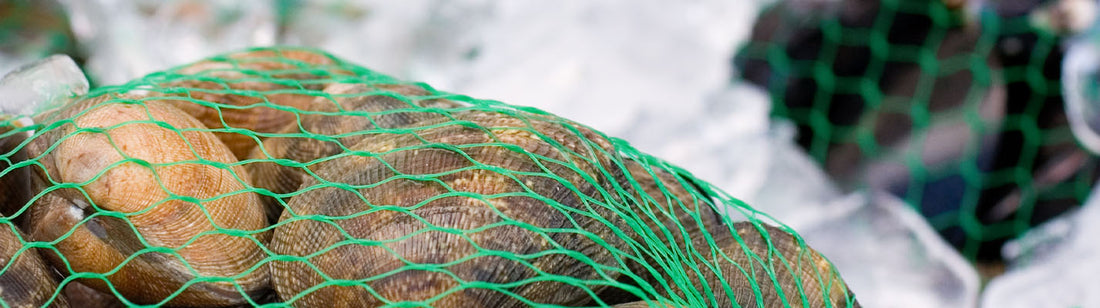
x=284, y=176
x=959, y=114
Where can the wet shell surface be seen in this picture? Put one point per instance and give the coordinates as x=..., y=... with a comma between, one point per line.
x=322, y=133
x=119, y=167
x=456, y=215
x=256, y=92
x=27, y=282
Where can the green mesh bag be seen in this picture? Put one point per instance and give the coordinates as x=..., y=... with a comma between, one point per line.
x=960, y=114
x=287, y=177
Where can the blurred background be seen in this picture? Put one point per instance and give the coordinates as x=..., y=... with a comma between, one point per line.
x=937, y=151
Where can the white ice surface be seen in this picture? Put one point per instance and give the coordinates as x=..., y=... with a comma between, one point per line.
x=124, y=39
x=35, y=86
x=1056, y=264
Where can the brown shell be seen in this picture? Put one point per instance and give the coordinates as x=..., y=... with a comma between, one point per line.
x=77, y=292
x=166, y=163
x=15, y=184
x=688, y=218
x=798, y=271
x=27, y=282
x=694, y=213
x=363, y=108
x=409, y=188
x=246, y=86
x=643, y=304
x=671, y=215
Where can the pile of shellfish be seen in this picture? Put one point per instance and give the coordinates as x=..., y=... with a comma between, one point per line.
x=288, y=176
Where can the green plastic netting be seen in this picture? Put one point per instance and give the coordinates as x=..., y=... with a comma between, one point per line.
x=959, y=113
x=288, y=177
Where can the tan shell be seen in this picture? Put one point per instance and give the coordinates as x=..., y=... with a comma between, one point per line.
x=27, y=282
x=363, y=108
x=247, y=86
x=166, y=163
x=403, y=198
x=798, y=271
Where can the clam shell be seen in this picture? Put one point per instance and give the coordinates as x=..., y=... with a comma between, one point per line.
x=671, y=212
x=362, y=109
x=172, y=188
x=27, y=281
x=798, y=270
x=675, y=210
x=256, y=92
x=762, y=266
x=77, y=292
x=684, y=222
x=482, y=200
x=14, y=182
